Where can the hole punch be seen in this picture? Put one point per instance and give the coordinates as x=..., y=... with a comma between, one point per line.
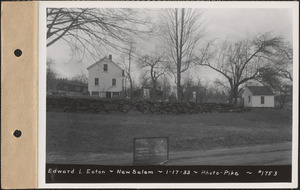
x=17, y=133
x=18, y=52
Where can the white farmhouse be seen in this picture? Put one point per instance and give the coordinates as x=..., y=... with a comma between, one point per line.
x=106, y=78
x=258, y=96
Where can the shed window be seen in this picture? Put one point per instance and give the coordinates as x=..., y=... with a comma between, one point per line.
x=249, y=98
x=96, y=81
x=262, y=100
x=105, y=67
x=114, y=81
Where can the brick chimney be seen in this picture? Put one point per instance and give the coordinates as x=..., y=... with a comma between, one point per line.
x=110, y=56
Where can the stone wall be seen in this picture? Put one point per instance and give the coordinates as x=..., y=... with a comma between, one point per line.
x=92, y=105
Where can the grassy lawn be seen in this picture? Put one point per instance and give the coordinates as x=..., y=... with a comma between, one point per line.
x=114, y=133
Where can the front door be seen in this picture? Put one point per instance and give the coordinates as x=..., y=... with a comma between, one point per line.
x=108, y=94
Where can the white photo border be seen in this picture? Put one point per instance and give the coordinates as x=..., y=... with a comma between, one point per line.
x=159, y=4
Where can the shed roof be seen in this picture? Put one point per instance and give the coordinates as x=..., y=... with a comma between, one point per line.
x=260, y=90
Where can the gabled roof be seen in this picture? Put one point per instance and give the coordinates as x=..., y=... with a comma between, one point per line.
x=106, y=59
x=260, y=90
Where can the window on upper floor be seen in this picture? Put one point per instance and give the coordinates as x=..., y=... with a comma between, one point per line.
x=96, y=81
x=105, y=68
x=114, y=82
x=249, y=98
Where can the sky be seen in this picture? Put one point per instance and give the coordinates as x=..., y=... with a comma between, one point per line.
x=222, y=24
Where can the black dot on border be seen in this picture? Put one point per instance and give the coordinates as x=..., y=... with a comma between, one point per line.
x=18, y=52
x=17, y=133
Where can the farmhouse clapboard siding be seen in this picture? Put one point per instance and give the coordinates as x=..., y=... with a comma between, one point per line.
x=106, y=78
x=258, y=96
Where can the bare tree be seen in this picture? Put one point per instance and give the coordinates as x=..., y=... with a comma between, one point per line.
x=128, y=66
x=200, y=87
x=166, y=88
x=90, y=29
x=284, y=95
x=240, y=62
x=281, y=70
x=155, y=66
x=279, y=78
x=51, y=75
x=205, y=91
x=284, y=62
x=81, y=78
x=277, y=82
x=270, y=77
x=182, y=30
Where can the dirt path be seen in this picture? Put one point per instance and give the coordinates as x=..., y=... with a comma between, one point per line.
x=271, y=154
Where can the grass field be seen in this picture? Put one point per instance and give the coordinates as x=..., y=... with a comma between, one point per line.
x=71, y=133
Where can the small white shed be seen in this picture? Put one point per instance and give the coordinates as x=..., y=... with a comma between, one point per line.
x=258, y=96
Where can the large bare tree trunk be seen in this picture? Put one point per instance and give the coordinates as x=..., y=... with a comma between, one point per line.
x=153, y=83
x=179, y=62
x=129, y=74
x=179, y=90
x=181, y=34
x=235, y=95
